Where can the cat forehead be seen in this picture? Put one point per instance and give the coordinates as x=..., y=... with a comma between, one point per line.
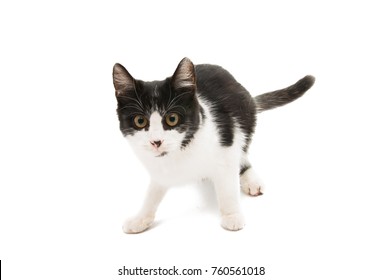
x=153, y=89
x=147, y=97
x=155, y=92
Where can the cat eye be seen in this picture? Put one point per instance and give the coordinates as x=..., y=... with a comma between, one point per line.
x=140, y=121
x=172, y=119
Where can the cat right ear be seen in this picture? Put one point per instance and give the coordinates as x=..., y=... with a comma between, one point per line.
x=184, y=76
x=123, y=81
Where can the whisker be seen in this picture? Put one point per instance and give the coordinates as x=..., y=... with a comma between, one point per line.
x=176, y=98
x=170, y=95
x=133, y=99
x=132, y=106
x=171, y=109
x=138, y=99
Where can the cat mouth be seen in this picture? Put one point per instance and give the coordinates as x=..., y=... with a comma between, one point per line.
x=162, y=154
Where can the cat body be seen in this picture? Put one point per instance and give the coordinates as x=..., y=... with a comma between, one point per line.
x=195, y=125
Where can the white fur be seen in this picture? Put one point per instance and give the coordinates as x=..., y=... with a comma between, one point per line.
x=251, y=184
x=204, y=157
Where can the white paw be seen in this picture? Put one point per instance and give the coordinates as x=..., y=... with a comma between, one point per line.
x=251, y=184
x=233, y=221
x=137, y=224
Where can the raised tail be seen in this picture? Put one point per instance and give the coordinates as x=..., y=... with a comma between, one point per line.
x=281, y=97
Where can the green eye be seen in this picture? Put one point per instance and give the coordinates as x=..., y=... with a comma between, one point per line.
x=172, y=119
x=140, y=121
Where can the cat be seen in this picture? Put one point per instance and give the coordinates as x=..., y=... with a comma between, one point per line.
x=196, y=124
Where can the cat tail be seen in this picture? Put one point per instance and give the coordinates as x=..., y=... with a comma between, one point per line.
x=270, y=100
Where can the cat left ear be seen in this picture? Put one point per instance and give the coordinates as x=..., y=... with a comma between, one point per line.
x=123, y=81
x=184, y=76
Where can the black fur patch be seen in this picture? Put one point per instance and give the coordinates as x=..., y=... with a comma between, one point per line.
x=231, y=104
x=244, y=168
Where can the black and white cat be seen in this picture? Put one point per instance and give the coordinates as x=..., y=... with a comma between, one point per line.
x=194, y=125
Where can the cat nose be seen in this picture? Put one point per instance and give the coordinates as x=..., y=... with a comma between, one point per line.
x=156, y=144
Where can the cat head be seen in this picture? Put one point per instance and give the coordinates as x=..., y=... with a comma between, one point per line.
x=158, y=117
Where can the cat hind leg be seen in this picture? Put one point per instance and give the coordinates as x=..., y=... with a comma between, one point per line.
x=226, y=184
x=251, y=184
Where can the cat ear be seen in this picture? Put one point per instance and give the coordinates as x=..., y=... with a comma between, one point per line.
x=123, y=81
x=184, y=76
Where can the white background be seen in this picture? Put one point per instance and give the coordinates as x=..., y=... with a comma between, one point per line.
x=69, y=179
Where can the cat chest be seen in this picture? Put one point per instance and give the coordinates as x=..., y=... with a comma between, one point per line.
x=179, y=170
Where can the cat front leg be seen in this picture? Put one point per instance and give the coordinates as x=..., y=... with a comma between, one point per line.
x=144, y=219
x=228, y=196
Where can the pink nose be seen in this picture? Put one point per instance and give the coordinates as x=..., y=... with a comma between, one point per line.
x=156, y=144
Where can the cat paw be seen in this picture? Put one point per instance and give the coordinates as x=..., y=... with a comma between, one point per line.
x=251, y=184
x=252, y=189
x=137, y=224
x=233, y=222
